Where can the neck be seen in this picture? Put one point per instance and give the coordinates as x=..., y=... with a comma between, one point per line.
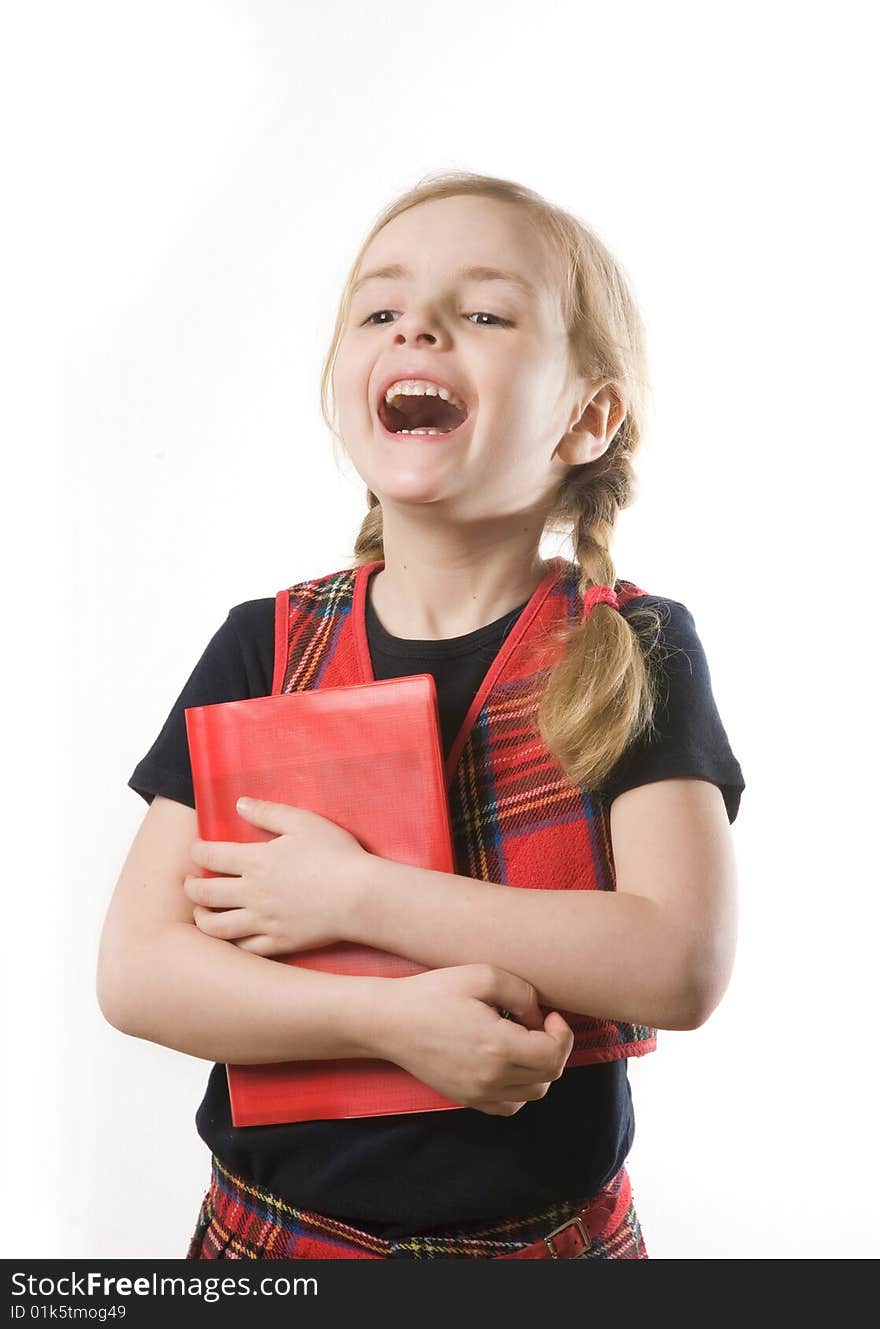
x=447, y=584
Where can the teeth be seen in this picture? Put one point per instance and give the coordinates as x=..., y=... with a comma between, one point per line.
x=417, y=387
x=421, y=431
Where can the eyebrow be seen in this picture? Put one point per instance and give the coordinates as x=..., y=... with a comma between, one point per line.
x=476, y=272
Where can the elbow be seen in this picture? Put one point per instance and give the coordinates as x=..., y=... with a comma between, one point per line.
x=693, y=1012
x=681, y=1010
x=701, y=992
x=687, y=987
x=109, y=1003
x=115, y=981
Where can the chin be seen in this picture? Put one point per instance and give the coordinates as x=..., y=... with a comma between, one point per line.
x=417, y=491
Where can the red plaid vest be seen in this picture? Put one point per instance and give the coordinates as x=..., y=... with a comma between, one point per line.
x=516, y=818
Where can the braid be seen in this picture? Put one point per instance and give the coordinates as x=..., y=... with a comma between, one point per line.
x=601, y=695
x=369, y=545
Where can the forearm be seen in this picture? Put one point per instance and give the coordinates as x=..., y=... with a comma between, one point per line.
x=609, y=954
x=210, y=999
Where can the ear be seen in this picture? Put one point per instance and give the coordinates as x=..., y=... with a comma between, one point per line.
x=594, y=423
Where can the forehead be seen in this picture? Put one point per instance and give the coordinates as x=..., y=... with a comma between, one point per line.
x=463, y=235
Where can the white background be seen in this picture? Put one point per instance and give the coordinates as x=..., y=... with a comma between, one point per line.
x=188, y=183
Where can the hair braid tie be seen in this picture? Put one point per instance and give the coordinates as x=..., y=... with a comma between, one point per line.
x=600, y=595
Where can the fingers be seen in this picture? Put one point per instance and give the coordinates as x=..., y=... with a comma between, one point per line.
x=559, y=1028
x=518, y=1004
x=227, y=925
x=538, y=1054
x=506, y=992
x=260, y=944
x=506, y=1107
x=536, y=1047
x=221, y=892
x=527, y=1069
x=230, y=857
x=517, y=1090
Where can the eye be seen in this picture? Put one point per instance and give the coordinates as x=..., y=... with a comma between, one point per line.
x=482, y=313
x=502, y=322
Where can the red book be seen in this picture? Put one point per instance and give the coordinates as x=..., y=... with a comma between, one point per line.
x=369, y=758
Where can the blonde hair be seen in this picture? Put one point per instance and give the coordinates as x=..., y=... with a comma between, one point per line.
x=602, y=693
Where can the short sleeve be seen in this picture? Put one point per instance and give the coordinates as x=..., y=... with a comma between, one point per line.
x=690, y=738
x=235, y=665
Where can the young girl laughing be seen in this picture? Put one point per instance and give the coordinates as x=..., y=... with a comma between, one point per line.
x=489, y=383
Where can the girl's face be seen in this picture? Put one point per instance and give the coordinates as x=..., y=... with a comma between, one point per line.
x=498, y=344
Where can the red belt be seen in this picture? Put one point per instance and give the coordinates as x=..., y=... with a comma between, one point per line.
x=574, y=1238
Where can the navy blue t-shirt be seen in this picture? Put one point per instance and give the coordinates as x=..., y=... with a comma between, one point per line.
x=398, y=1175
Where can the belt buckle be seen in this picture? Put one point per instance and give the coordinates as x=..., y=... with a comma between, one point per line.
x=548, y=1240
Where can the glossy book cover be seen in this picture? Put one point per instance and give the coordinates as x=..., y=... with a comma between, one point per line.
x=368, y=757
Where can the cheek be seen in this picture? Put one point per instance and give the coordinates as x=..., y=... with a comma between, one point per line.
x=514, y=411
x=354, y=418
x=351, y=377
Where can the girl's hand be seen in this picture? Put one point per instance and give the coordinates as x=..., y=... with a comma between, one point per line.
x=286, y=894
x=444, y=1027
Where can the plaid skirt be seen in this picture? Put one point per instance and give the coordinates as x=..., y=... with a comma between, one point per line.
x=241, y=1221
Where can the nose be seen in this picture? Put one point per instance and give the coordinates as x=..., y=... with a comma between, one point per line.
x=417, y=326
x=416, y=337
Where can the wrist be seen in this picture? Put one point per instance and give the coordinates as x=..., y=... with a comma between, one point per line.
x=376, y=1012
x=361, y=889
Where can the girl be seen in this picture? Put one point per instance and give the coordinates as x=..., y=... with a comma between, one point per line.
x=488, y=366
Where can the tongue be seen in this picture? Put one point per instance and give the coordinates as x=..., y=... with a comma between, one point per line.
x=424, y=413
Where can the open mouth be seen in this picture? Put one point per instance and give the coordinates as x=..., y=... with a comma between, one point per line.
x=424, y=417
